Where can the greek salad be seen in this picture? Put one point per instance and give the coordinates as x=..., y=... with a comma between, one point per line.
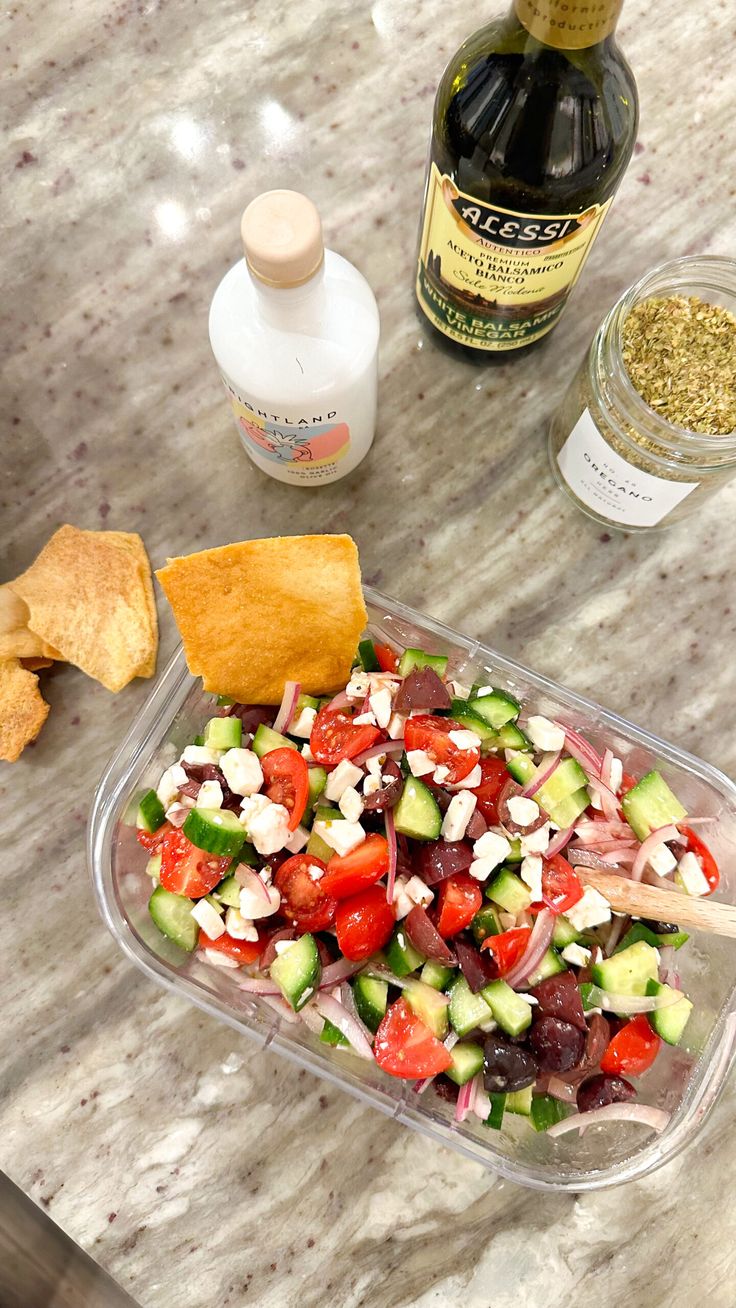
x=396, y=869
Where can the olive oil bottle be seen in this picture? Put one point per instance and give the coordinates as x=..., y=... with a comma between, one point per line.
x=534, y=124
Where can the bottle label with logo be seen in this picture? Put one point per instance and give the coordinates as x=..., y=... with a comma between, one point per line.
x=611, y=487
x=492, y=278
x=308, y=446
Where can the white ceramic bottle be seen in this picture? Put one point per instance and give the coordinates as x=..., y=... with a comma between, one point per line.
x=294, y=329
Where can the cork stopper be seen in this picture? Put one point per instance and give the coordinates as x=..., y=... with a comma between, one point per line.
x=282, y=238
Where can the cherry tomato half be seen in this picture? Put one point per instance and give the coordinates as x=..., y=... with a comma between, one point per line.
x=706, y=860
x=432, y=734
x=335, y=737
x=561, y=886
x=152, y=840
x=508, y=947
x=632, y=1050
x=187, y=870
x=388, y=659
x=494, y=775
x=286, y=778
x=303, y=901
x=349, y=873
x=458, y=901
x=364, y=923
x=405, y=1046
x=243, y=951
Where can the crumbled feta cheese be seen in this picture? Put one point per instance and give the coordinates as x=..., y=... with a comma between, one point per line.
x=402, y=904
x=372, y=784
x=302, y=725
x=242, y=771
x=254, y=904
x=217, y=959
x=239, y=927
x=460, y=690
x=283, y=946
x=168, y=787
x=380, y=702
x=365, y=720
x=340, y=835
x=209, y=795
x=315, y=872
x=471, y=782
x=489, y=851
x=537, y=841
x=199, y=754
x=396, y=726
x=441, y=773
x=544, y=734
x=616, y=773
x=507, y=920
x=418, y=892
x=458, y=815
x=375, y=763
x=208, y=919
x=307, y=754
x=351, y=804
x=297, y=840
x=531, y=874
x=577, y=955
x=662, y=861
x=483, y=690
x=590, y=911
x=482, y=868
x=344, y=775
x=465, y=739
x=522, y=811
x=267, y=824
x=419, y=762
x=690, y=875
x=595, y=798
x=359, y=684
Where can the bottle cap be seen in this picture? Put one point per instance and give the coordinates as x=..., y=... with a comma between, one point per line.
x=282, y=238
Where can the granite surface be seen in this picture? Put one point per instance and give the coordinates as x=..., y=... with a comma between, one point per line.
x=134, y=132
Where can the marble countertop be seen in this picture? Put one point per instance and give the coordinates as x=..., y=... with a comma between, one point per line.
x=135, y=132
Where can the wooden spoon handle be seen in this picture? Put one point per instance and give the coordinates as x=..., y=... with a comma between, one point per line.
x=663, y=904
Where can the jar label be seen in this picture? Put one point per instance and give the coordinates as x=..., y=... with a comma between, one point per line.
x=493, y=278
x=612, y=487
x=309, y=445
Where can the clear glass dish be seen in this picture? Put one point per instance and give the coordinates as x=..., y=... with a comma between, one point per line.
x=686, y=1081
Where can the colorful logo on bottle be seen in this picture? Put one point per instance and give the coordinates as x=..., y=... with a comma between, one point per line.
x=320, y=444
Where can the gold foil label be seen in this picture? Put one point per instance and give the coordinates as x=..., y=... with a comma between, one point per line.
x=569, y=24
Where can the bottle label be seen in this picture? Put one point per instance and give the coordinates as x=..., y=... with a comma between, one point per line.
x=309, y=445
x=613, y=488
x=568, y=24
x=493, y=278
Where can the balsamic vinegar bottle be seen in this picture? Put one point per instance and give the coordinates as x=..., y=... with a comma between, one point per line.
x=534, y=124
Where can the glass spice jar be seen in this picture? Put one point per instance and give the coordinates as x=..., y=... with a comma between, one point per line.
x=620, y=461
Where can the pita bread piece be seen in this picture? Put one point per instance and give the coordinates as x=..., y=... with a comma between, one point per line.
x=16, y=638
x=259, y=613
x=133, y=544
x=88, y=597
x=22, y=709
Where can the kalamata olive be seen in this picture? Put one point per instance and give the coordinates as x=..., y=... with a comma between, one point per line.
x=477, y=826
x=510, y=790
x=422, y=689
x=445, y=1088
x=558, y=1046
x=560, y=997
x=506, y=1067
x=478, y=969
x=596, y=1043
x=200, y=772
x=660, y=928
x=435, y=860
x=390, y=792
x=600, y=1090
x=251, y=715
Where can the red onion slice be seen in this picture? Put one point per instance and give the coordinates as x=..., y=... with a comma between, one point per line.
x=334, y=973
x=449, y=1043
x=607, y=798
x=629, y=1004
x=558, y=842
x=250, y=880
x=590, y=832
x=256, y=985
x=281, y=1007
x=178, y=814
x=336, y=1013
x=383, y=747
x=388, y=819
x=341, y=700
x=270, y=952
x=561, y=1090
x=464, y=1102
x=589, y=858
x=648, y=846
x=581, y=750
x=311, y=1018
x=544, y=772
x=536, y=948
x=292, y=691
x=617, y=926
x=643, y=1114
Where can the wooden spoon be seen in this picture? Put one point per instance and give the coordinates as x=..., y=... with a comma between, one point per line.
x=664, y=905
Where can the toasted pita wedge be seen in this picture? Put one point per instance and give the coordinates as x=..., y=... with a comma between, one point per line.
x=22, y=709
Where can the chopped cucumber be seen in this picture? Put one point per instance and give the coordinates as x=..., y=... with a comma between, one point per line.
x=485, y=924
x=586, y=995
x=512, y=1012
x=318, y=848
x=515, y=855
x=267, y=739
x=331, y=1035
x=550, y=965
x=675, y=939
x=670, y=1022
x=521, y=767
x=247, y=855
x=567, y=777
x=153, y=867
x=520, y=1101
x=228, y=892
x=545, y=1111
x=215, y=830
x=511, y=736
x=417, y=813
x=496, y=709
x=627, y=973
x=367, y=656
x=418, y=658
x=224, y=701
x=173, y=916
x=328, y=813
x=436, y=975
x=317, y=778
x=564, y=933
x=223, y=733
x=467, y=1010
x=568, y=810
x=495, y=1117
x=151, y=812
x=460, y=711
x=651, y=804
x=297, y=971
x=401, y=955
x=371, y=999
x=429, y=1005
x=638, y=931
x=467, y=1060
x=510, y=892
